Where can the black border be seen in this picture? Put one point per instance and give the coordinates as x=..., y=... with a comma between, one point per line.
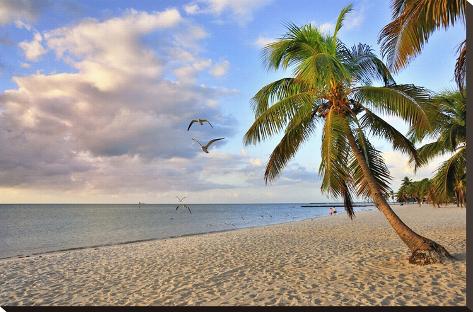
x=469, y=253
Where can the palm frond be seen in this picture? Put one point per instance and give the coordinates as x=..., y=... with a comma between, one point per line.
x=447, y=118
x=460, y=67
x=298, y=131
x=311, y=54
x=321, y=68
x=274, y=91
x=431, y=150
x=384, y=130
x=413, y=23
x=376, y=165
x=451, y=170
x=275, y=118
x=364, y=64
x=347, y=200
x=341, y=17
x=297, y=44
x=404, y=101
x=335, y=150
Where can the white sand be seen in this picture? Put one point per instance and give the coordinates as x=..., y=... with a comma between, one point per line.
x=328, y=261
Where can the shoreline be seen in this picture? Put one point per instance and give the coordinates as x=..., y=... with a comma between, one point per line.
x=40, y=254
x=324, y=261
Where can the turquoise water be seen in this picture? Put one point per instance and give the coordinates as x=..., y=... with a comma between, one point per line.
x=31, y=229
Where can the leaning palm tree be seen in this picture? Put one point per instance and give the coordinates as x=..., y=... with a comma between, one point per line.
x=331, y=84
x=413, y=23
x=449, y=136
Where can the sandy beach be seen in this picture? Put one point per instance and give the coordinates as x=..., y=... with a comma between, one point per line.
x=326, y=261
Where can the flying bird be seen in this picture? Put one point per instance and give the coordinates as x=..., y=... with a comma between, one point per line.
x=185, y=207
x=180, y=199
x=200, y=121
x=205, y=148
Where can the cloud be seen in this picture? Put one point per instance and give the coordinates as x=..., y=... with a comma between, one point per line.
x=22, y=10
x=191, y=8
x=33, y=49
x=22, y=25
x=399, y=167
x=355, y=18
x=325, y=28
x=220, y=69
x=239, y=10
x=187, y=73
x=117, y=122
x=262, y=42
x=114, y=127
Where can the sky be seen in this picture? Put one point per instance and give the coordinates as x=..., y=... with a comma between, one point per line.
x=96, y=97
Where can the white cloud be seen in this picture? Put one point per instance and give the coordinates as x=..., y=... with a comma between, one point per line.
x=191, y=8
x=115, y=127
x=256, y=162
x=239, y=10
x=116, y=121
x=325, y=28
x=109, y=51
x=22, y=25
x=33, y=49
x=262, y=42
x=21, y=10
x=187, y=73
x=220, y=69
x=399, y=167
x=355, y=18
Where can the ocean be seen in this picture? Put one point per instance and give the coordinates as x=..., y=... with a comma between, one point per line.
x=27, y=229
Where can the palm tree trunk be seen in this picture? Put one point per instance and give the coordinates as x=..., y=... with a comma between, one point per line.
x=424, y=251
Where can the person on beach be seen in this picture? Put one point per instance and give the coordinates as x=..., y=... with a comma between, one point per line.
x=334, y=211
x=330, y=211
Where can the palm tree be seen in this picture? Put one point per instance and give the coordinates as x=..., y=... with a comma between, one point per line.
x=332, y=85
x=413, y=23
x=405, y=182
x=449, y=134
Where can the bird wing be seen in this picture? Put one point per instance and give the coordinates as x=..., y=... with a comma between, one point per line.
x=177, y=207
x=197, y=141
x=193, y=120
x=205, y=120
x=188, y=209
x=214, y=140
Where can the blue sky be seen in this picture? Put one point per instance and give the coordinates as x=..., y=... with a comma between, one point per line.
x=96, y=96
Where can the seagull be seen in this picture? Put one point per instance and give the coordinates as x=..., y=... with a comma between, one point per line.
x=200, y=121
x=184, y=206
x=205, y=148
